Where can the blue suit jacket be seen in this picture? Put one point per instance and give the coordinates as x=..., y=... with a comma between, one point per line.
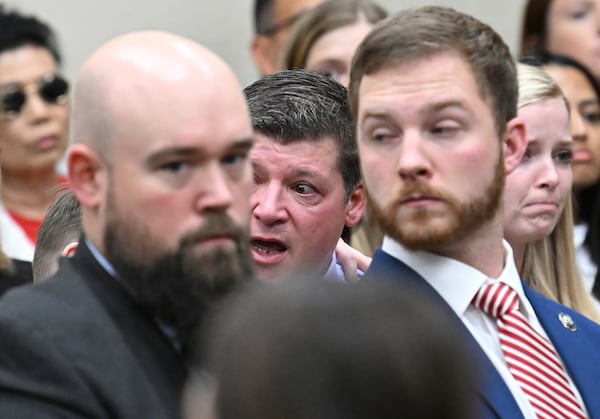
x=579, y=349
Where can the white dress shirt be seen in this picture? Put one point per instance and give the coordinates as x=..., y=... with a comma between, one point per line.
x=458, y=283
x=14, y=242
x=585, y=265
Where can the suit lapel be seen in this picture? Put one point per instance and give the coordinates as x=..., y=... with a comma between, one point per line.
x=493, y=392
x=155, y=355
x=578, y=349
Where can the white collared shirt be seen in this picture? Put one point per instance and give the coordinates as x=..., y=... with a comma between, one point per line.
x=458, y=283
x=583, y=259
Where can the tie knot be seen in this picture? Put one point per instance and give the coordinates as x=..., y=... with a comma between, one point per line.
x=496, y=299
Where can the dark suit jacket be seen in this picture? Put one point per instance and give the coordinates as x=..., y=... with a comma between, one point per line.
x=579, y=349
x=77, y=346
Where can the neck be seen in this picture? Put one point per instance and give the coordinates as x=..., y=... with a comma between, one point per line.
x=482, y=250
x=519, y=254
x=29, y=194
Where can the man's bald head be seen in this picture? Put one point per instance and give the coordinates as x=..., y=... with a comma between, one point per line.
x=144, y=92
x=138, y=73
x=160, y=166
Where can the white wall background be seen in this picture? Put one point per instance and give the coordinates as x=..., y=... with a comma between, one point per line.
x=225, y=26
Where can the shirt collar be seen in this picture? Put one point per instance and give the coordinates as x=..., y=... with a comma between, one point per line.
x=100, y=258
x=455, y=281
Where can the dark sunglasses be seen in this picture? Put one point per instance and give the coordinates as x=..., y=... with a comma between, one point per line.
x=52, y=89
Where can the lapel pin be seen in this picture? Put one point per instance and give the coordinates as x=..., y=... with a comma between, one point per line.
x=567, y=322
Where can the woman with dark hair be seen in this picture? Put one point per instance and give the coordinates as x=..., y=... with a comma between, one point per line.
x=583, y=95
x=34, y=114
x=568, y=27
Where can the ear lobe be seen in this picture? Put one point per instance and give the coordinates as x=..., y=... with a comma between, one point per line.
x=261, y=53
x=85, y=170
x=355, y=207
x=515, y=144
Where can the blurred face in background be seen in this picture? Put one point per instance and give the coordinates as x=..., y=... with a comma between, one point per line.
x=331, y=54
x=585, y=123
x=266, y=47
x=573, y=29
x=34, y=135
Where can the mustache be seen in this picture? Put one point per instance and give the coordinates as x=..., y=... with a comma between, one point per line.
x=418, y=188
x=217, y=224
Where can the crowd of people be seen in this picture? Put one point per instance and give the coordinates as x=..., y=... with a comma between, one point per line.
x=398, y=218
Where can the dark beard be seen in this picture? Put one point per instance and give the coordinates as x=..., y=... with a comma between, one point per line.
x=178, y=288
x=418, y=232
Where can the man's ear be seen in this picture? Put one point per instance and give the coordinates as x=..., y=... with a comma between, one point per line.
x=515, y=144
x=69, y=249
x=262, y=54
x=355, y=207
x=87, y=175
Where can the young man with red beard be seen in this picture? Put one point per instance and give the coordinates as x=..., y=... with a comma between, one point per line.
x=434, y=93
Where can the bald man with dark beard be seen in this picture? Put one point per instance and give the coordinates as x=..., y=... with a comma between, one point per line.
x=159, y=164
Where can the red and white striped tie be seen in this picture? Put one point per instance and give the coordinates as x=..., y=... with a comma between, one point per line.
x=531, y=358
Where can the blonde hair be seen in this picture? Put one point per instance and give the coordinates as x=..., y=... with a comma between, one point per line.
x=549, y=264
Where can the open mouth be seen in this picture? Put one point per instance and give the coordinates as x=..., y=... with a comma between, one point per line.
x=268, y=247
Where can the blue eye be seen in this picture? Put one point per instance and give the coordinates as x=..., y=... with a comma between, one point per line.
x=564, y=156
x=175, y=166
x=235, y=158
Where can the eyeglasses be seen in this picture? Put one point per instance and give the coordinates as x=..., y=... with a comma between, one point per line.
x=52, y=89
x=276, y=27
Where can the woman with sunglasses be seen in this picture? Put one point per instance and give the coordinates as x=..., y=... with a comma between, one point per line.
x=34, y=114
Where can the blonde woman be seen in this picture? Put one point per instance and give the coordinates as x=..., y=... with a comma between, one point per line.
x=538, y=220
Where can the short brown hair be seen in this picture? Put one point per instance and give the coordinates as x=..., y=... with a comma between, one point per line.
x=534, y=32
x=421, y=32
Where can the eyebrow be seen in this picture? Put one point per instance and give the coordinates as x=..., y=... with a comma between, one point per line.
x=241, y=145
x=568, y=143
x=440, y=106
x=296, y=172
x=588, y=102
x=385, y=115
x=305, y=173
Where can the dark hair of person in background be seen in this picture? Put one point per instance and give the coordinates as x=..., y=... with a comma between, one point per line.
x=331, y=15
x=534, y=30
x=61, y=226
x=34, y=132
x=587, y=200
x=263, y=9
x=17, y=30
x=312, y=349
x=302, y=118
